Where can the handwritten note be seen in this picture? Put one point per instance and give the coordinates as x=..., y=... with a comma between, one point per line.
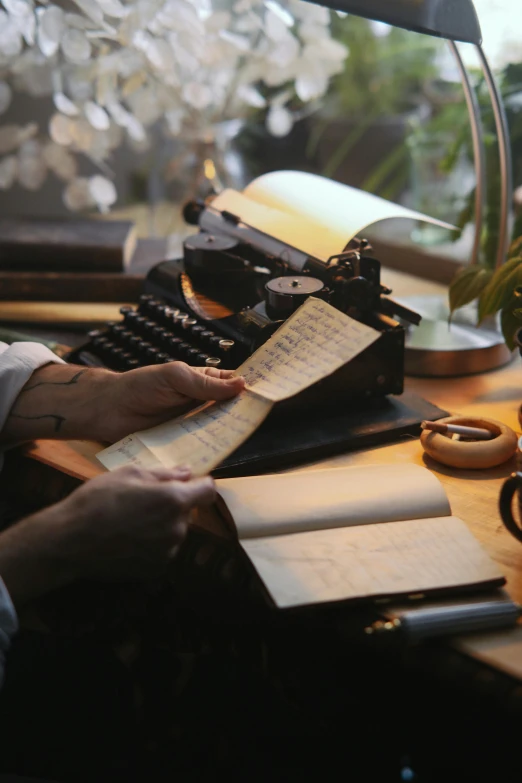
x=314, y=342
x=369, y=560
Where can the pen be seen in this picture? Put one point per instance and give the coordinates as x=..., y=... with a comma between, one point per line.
x=430, y=622
x=476, y=433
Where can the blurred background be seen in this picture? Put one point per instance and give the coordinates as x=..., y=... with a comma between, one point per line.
x=383, y=110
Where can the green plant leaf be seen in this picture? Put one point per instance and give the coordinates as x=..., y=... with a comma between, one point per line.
x=467, y=285
x=515, y=247
x=511, y=321
x=499, y=291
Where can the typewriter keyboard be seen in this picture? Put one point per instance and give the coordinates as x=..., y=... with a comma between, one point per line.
x=155, y=333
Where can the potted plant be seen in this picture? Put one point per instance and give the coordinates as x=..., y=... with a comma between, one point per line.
x=496, y=291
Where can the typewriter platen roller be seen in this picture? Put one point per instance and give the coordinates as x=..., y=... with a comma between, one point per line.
x=233, y=288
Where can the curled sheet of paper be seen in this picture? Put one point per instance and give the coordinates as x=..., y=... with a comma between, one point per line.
x=201, y=439
x=313, y=214
x=314, y=342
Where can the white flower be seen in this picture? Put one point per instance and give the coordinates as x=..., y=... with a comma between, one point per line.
x=77, y=195
x=96, y=115
x=10, y=38
x=8, y=171
x=102, y=191
x=279, y=121
x=121, y=71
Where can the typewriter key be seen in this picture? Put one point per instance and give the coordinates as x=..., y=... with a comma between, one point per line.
x=191, y=355
x=212, y=361
x=160, y=357
x=139, y=323
x=100, y=342
x=189, y=322
x=129, y=319
x=201, y=359
x=226, y=345
x=169, y=314
x=181, y=317
x=152, y=353
x=117, y=330
x=116, y=353
x=173, y=343
x=158, y=333
x=94, y=333
x=143, y=347
x=214, y=340
x=197, y=331
x=131, y=364
x=144, y=302
x=125, y=310
x=183, y=348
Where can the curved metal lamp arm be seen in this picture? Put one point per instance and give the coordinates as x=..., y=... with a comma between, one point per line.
x=504, y=149
x=477, y=135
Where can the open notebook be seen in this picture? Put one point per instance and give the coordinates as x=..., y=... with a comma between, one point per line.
x=354, y=532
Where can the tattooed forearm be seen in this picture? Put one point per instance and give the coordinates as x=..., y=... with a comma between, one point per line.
x=57, y=401
x=58, y=420
x=70, y=382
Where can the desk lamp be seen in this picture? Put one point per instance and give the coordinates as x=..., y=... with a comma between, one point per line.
x=432, y=349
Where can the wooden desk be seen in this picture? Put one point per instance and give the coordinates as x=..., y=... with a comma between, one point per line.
x=473, y=494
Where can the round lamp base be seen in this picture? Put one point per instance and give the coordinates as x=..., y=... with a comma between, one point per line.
x=438, y=349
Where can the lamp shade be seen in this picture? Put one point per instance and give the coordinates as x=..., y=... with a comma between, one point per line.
x=455, y=20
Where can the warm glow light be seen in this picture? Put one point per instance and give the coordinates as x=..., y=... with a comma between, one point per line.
x=209, y=169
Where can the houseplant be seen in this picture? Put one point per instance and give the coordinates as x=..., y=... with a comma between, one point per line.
x=494, y=290
x=358, y=136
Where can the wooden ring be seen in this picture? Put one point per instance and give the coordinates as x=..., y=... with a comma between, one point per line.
x=474, y=454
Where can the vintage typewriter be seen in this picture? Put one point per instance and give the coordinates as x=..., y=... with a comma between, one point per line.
x=233, y=288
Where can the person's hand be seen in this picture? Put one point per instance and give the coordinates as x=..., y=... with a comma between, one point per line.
x=68, y=401
x=125, y=524
x=145, y=397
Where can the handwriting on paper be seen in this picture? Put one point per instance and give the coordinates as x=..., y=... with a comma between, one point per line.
x=389, y=558
x=205, y=438
x=314, y=342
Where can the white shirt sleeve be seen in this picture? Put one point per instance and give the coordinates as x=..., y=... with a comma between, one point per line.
x=17, y=364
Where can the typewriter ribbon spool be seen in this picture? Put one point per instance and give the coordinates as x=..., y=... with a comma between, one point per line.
x=285, y=294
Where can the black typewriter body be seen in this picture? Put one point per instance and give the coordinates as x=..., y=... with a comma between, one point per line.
x=260, y=282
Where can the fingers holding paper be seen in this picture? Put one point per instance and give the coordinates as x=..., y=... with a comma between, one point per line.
x=148, y=396
x=130, y=523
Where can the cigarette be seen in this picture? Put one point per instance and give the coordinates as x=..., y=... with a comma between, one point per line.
x=476, y=433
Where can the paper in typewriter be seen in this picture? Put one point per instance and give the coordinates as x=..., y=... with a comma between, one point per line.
x=314, y=342
x=311, y=213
